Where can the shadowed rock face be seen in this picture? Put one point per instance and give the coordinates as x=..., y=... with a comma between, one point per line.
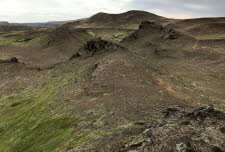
x=148, y=25
x=101, y=46
x=183, y=130
x=151, y=28
x=12, y=60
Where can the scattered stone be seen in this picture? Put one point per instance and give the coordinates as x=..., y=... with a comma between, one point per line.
x=170, y=36
x=171, y=111
x=141, y=141
x=183, y=130
x=216, y=149
x=206, y=112
x=182, y=147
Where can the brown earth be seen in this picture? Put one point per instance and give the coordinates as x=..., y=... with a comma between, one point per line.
x=128, y=82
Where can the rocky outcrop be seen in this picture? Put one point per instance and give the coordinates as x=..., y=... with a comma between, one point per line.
x=150, y=25
x=11, y=60
x=99, y=46
x=183, y=130
x=147, y=28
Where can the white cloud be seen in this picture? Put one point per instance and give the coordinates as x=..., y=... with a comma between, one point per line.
x=47, y=10
x=52, y=10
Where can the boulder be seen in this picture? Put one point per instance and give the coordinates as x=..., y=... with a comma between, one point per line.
x=14, y=60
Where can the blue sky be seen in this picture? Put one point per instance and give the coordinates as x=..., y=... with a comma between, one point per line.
x=57, y=10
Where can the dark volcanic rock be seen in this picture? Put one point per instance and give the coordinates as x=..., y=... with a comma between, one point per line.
x=101, y=46
x=150, y=25
x=170, y=34
x=12, y=60
x=183, y=130
x=76, y=55
x=144, y=28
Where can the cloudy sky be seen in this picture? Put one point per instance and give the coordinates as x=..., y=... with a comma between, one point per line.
x=57, y=10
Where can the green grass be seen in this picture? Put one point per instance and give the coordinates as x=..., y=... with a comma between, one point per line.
x=31, y=121
x=116, y=37
x=26, y=123
x=7, y=41
x=91, y=33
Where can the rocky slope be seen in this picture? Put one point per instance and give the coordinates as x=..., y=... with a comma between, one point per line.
x=150, y=88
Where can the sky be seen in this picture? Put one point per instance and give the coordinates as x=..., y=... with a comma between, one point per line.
x=29, y=11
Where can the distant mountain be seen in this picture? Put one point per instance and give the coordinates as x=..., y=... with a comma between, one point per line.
x=47, y=24
x=127, y=17
x=41, y=24
x=3, y=23
x=127, y=20
x=130, y=19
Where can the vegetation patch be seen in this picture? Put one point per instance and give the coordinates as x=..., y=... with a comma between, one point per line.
x=31, y=126
x=91, y=33
x=4, y=41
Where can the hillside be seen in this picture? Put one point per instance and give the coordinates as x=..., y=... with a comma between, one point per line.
x=114, y=83
x=127, y=20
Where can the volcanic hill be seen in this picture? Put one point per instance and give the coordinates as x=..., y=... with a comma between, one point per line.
x=130, y=82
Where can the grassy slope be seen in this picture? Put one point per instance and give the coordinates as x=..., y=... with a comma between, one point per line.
x=29, y=123
x=53, y=117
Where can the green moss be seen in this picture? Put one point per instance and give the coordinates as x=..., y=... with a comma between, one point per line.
x=91, y=33
x=32, y=121
x=195, y=46
x=30, y=126
x=116, y=37
x=7, y=41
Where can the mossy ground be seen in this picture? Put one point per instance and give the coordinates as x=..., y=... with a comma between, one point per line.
x=29, y=123
x=114, y=35
x=9, y=41
x=4, y=41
